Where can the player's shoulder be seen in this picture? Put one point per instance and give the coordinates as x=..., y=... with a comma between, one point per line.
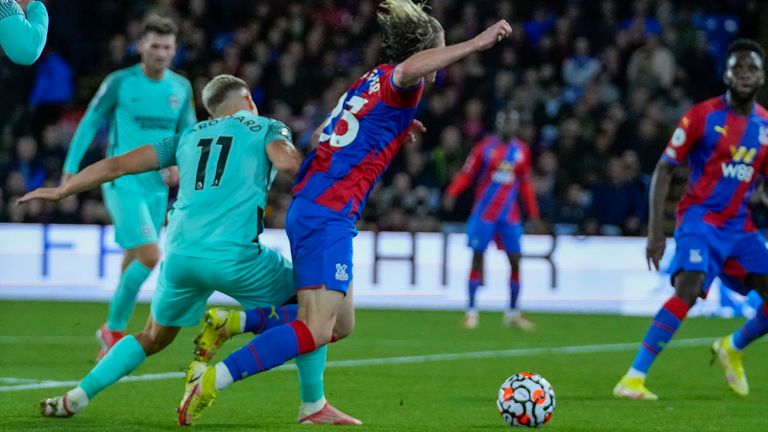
x=761, y=112
x=119, y=76
x=178, y=78
x=706, y=107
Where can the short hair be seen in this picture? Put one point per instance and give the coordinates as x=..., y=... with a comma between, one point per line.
x=160, y=25
x=216, y=92
x=745, y=45
x=406, y=29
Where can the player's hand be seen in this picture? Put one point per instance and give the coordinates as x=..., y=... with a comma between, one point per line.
x=537, y=226
x=65, y=178
x=47, y=194
x=449, y=202
x=654, y=250
x=24, y=4
x=170, y=176
x=492, y=35
x=416, y=127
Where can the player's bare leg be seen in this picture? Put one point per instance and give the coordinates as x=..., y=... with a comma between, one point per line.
x=513, y=316
x=472, y=315
x=321, y=412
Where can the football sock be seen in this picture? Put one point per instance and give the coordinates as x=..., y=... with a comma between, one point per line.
x=309, y=408
x=223, y=377
x=751, y=329
x=475, y=280
x=121, y=360
x=311, y=368
x=664, y=325
x=259, y=319
x=271, y=348
x=77, y=400
x=514, y=289
x=124, y=301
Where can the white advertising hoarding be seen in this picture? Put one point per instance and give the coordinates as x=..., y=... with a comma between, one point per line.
x=424, y=270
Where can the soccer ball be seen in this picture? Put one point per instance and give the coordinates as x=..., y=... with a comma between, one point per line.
x=526, y=400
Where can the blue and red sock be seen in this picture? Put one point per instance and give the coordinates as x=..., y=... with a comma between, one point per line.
x=475, y=280
x=259, y=319
x=514, y=289
x=752, y=329
x=269, y=349
x=664, y=325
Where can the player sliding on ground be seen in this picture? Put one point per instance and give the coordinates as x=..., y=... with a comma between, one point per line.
x=226, y=167
x=361, y=136
x=725, y=142
x=145, y=103
x=23, y=30
x=501, y=166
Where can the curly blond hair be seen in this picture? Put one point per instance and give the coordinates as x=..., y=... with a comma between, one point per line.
x=406, y=29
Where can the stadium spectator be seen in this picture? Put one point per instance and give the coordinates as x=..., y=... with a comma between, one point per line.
x=590, y=80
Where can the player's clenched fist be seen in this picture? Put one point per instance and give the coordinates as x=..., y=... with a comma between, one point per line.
x=493, y=34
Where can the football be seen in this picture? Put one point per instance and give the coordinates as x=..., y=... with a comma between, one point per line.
x=526, y=400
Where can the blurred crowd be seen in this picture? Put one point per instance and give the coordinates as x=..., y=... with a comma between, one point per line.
x=599, y=85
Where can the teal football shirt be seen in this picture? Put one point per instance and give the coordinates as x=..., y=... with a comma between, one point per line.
x=224, y=178
x=141, y=111
x=23, y=37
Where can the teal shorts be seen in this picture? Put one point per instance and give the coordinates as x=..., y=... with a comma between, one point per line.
x=263, y=279
x=137, y=216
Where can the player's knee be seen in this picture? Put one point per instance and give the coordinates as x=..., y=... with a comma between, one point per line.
x=688, y=286
x=154, y=339
x=148, y=256
x=343, y=329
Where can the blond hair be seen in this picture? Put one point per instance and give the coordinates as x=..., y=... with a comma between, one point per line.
x=218, y=90
x=406, y=29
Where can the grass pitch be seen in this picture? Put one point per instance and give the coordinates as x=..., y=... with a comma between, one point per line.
x=581, y=355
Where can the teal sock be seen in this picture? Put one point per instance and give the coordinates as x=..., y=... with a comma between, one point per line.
x=311, y=367
x=121, y=360
x=124, y=301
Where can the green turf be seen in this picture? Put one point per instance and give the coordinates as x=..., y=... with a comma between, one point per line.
x=54, y=342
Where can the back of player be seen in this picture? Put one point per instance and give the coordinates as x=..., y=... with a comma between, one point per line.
x=224, y=175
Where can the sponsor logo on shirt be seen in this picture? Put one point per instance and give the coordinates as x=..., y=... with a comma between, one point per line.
x=174, y=101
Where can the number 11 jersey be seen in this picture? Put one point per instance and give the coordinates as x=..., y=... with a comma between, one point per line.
x=224, y=177
x=360, y=138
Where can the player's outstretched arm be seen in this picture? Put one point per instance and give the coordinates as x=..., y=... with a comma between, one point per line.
x=409, y=72
x=140, y=160
x=657, y=240
x=23, y=37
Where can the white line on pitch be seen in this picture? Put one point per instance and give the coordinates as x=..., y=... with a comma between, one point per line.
x=429, y=358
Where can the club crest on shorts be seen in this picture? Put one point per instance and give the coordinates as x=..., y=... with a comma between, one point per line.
x=341, y=272
x=695, y=256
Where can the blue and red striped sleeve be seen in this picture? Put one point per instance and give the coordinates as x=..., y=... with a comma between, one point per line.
x=527, y=194
x=470, y=171
x=395, y=96
x=690, y=129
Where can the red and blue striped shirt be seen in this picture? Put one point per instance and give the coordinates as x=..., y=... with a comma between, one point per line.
x=360, y=138
x=727, y=152
x=502, y=172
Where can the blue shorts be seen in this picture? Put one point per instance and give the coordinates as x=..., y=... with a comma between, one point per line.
x=321, y=246
x=480, y=233
x=730, y=255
